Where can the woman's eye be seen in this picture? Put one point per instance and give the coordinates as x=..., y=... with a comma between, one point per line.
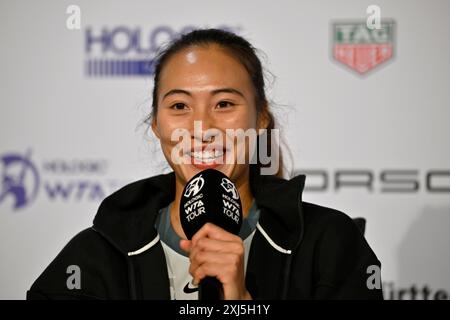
x=224, y=104
x=178, y=106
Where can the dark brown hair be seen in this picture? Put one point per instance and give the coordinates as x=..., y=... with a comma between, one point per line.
x=242, y=50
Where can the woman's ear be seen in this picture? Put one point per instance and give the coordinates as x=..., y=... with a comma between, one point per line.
x=155, y=128
x=264, y=118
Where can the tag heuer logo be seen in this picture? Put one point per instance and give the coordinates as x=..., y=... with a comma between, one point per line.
x=360, y=48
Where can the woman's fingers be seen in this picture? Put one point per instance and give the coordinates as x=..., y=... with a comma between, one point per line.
x=211, y=237
x=198, y=258
x=212, y=245
x=226, y=273
x=186, y=245
x=214, y=252
x=208, y=244
x=212, y=231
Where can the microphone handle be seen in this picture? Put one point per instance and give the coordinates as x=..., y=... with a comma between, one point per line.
x=210, y=289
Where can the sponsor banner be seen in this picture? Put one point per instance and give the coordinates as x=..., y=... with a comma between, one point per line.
x=360, y=48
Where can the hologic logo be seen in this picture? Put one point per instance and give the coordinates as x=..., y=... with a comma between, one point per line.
x=122, y=51
x=56, y=180
x=20, y=179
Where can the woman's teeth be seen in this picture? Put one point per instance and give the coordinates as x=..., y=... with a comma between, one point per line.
x=206, y=156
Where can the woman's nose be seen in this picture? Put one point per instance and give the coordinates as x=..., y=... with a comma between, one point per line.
x=203, y=126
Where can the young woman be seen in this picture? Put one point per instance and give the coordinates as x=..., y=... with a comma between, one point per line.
x=287, y=248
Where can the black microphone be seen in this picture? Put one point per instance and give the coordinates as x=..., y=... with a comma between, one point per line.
x=210, y=196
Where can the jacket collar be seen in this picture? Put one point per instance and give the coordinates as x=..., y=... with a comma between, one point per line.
x=280, y=203
x=127, y=217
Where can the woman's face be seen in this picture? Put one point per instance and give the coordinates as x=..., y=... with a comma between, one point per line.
x=205, y=83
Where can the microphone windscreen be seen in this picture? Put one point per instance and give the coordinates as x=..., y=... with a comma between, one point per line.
x=210, y=196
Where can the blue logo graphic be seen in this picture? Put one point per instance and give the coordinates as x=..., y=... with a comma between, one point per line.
x=122, y=51
x=20, y=179
x=57, y=180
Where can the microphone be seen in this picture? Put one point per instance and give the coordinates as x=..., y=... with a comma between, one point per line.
x=210, y=196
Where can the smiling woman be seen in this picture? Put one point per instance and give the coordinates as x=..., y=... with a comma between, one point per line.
x=209, y=84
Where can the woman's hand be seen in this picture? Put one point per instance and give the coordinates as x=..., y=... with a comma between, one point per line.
x=215, y=252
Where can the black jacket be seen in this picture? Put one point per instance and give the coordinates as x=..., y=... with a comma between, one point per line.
x=299, y=251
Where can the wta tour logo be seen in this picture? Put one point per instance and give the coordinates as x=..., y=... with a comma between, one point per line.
x=20, y=179
x=24, y=180
x=360, y=48
x=228, y=186
x=194, y=187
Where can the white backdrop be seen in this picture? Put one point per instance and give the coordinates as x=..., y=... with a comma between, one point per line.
x=69, y=139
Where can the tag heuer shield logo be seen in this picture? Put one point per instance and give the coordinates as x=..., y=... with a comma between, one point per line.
x=360, y=48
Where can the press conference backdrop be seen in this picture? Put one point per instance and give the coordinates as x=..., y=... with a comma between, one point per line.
x=364, y=113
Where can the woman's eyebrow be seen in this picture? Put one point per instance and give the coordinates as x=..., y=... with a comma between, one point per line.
x=227, y=90
x=176, y=91
x=213, y=92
